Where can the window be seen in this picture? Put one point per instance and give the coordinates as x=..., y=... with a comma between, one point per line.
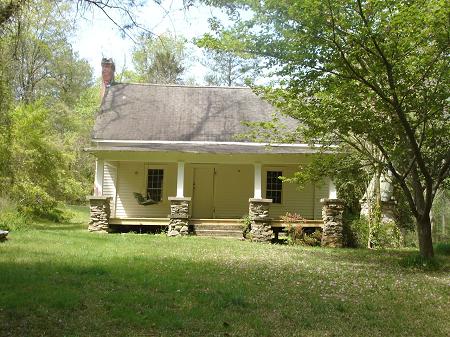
x=155, y=184
x=274, y=186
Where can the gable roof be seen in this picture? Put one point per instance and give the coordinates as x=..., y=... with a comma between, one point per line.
x=179, y=113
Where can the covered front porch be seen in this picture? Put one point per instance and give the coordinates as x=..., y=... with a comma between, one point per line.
x=216, y=191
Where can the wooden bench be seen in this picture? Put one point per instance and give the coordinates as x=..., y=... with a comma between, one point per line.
x=279, y=226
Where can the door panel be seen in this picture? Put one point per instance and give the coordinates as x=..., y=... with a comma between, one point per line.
x=203, y=193
x=233, y=187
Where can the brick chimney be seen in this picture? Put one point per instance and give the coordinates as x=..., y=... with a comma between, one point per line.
x=108, y=68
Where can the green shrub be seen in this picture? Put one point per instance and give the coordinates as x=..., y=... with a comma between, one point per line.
x=296, y=233
x=442, y=248
x=11, y=218
x=294, y=227
x=58, y=214
x=313, y=239
x=410, y=238
x=359, y=230
x=349, y=236
x=246, y=225
x=416, y=261
x=34, y=200
x=382, y=234
x=386, y=235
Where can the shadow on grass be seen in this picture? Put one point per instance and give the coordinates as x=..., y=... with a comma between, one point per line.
x=60, y=226
x=406, y=259
x=177, y=292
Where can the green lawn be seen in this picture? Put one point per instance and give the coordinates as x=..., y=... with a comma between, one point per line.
x=60, y=280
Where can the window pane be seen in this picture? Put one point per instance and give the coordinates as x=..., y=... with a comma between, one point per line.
x=274, y=186
x=155, y=184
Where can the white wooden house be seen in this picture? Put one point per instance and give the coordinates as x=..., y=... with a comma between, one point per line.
x=179, y=143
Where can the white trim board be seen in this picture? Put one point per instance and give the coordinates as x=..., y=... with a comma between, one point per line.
x=197, y=142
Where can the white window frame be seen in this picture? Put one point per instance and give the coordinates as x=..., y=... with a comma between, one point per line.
x=164, y=197
x=264, y=183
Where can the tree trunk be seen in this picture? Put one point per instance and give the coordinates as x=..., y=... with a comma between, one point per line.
x=424, y=233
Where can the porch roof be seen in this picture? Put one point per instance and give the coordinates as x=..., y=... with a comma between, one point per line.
x=205, y=147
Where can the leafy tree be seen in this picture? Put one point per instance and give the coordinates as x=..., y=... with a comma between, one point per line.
x=5, y=120
x=441, y=215
x=120, y=13
x=158, y=59
x=38, y=162
x=8, y=9
x=368, y=74
x=46, y=110
x=228, y=69
x=45, y=64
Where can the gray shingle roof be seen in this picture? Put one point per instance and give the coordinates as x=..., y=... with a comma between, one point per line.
x=178, y=113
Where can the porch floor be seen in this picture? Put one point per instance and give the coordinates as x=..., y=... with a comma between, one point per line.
x=216, y=222
x=211, y=227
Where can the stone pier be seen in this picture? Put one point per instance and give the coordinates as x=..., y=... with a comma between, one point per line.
x=332, y=210
x=100, y=213
x=179, y=216
x=261, y=230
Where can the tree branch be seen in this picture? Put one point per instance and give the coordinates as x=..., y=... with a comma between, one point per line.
x=401, y=181
x=398, y=109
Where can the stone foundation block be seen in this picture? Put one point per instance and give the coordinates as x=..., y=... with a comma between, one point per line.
x=100, y=212
x=260, y=228
x=179, y=216
x=332, y=210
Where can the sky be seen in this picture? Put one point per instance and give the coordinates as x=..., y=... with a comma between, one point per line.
x=98, y=37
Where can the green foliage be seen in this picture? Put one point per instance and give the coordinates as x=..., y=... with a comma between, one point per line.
x=46, y=111
x=350, y=228
x=293, y=227
x=246, y=225
x=36, y=158
x=403, y=216
x=11, y=218
x=441, y=216
x=358, y=233
x=442, y=248
x=43, y=166
x=376, y=233
x=370, y=75
x=296, y=233
x=418, y=262
x=157, y=60
x=386, y=235
x=45, y=64
x=228, y=69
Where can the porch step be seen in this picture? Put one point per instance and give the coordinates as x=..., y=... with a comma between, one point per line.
x=213, y=226
x=219, y=233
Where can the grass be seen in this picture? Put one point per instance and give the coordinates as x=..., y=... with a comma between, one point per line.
x=60, y=280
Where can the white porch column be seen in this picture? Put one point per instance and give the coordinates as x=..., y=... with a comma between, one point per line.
x=98, y=182
x=332, y=194
x=180, y=180
x=257, y=192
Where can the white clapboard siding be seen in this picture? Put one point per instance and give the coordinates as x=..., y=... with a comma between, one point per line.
x=233, y=186
x=133, y=178
x=109, y=184
x=321, y=193
x=294, y=200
